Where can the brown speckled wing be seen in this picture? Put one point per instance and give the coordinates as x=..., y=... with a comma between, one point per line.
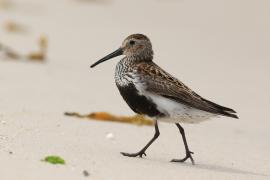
x=159, y=82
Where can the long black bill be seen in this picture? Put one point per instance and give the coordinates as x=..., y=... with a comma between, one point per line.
x=118, y=52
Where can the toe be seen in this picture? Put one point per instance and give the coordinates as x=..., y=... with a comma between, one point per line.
x=124, y=154
x=178, y=160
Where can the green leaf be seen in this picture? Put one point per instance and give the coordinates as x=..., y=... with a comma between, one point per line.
x=54, y=160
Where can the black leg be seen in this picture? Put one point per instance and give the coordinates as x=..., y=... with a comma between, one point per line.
x=142, y=152
x=188, y=152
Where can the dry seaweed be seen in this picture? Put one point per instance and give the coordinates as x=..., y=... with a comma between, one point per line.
x=9, y=53
x=39, y=55
x=104, y=116
x=12, y=26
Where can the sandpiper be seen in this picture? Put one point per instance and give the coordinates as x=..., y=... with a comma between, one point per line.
x=151, y=91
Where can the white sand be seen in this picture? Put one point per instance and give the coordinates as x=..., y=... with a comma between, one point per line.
x=219, y=48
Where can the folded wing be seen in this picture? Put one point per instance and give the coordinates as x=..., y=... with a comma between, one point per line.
x=165, y=85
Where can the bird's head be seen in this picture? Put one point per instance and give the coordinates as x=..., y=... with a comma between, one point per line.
x=135, y=47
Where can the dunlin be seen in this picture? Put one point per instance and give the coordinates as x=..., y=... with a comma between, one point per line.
x=151, y=91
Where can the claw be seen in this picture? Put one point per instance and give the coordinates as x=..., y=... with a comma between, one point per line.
x=141, y=154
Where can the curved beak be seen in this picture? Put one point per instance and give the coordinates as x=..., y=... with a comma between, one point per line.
x=116, y=53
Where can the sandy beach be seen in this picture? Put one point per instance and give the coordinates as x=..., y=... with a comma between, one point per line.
x=218, y=48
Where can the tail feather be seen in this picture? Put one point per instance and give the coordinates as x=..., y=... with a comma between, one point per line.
x=219, y=106
x=229, y=114
x=223, y=110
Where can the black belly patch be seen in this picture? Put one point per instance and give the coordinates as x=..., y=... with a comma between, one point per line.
x=139, y=103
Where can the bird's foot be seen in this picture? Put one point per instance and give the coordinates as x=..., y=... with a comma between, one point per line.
x=188, y=156
x=140, y=154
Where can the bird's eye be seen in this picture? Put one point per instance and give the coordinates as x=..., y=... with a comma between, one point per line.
x=131, y=42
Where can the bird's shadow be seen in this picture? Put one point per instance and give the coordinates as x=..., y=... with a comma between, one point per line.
x=223, y=169
x=218, y=168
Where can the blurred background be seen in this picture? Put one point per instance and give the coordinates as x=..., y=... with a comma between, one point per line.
x=200, y=42
x=218, y=48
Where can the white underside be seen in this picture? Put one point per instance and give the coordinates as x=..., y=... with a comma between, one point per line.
x=174, y=111
x=177, y=112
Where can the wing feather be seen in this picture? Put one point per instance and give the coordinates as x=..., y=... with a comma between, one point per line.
x=156, y=80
